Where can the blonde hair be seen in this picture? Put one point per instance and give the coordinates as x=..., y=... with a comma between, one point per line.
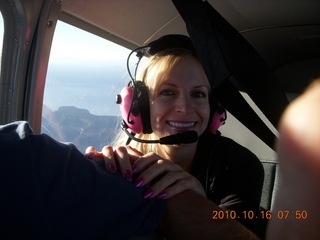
x=153, y=73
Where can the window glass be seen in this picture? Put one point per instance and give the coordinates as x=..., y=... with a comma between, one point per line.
x=1, y=38
x=85, y=74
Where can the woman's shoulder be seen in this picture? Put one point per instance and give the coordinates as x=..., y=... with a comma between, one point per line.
x=236, y=154
x=231, y=144
x=229, y=151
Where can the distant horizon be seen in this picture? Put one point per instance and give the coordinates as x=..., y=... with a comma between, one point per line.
x=46, y=108
x=70, y=124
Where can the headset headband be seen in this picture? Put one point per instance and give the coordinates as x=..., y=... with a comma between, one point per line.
x=158, y=45
x=167, y=42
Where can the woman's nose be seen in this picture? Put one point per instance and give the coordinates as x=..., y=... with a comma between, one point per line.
x=183, y=105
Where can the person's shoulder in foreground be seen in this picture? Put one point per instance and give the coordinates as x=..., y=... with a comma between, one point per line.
x=49, y=190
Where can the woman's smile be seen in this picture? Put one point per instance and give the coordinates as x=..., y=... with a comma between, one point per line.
x=182, y=126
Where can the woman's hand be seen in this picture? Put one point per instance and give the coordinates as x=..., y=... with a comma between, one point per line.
x=163, y=178
x=116, y=159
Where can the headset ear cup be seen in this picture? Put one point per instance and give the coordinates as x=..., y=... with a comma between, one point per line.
x=134, y=108
x=218, y=119
x=144, y=106
x=129, y=110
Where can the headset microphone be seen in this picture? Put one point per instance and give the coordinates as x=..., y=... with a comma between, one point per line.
x=179, y=138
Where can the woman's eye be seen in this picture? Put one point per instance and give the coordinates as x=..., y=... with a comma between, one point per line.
x=198, y=94
x=166, y=92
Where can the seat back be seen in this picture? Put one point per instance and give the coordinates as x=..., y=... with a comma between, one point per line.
x=270, y=185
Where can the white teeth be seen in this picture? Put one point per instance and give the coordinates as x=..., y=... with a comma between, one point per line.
x=185, y=125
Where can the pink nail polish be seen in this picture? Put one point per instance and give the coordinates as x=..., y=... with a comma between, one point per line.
x=162, y=195
x=128, y=175
x=148, y=193
x=139, y=182
x=134, y=169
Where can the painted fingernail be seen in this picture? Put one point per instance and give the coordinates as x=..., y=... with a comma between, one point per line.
x=139, y=182
x=134, y=169
x=148, y=193
x=89, y=154
x=111, y=168
x=162, y=195
x=128, y=175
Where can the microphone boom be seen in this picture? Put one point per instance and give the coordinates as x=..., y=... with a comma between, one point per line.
x=179, y=138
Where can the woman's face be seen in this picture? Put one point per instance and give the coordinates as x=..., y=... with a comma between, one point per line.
x=181, y=102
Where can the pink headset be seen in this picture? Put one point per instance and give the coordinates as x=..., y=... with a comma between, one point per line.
x=134, y=99
x=134, y=107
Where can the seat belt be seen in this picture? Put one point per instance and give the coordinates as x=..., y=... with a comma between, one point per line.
x=240, y=109
x=229, y=62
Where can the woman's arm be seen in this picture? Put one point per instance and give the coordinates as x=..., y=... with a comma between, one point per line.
x=189, y=216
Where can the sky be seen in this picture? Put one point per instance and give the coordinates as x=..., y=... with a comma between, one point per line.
x=75, y=45
x=85, y=71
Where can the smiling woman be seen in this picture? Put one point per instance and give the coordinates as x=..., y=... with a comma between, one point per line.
x=181, y=101
x=84, y=73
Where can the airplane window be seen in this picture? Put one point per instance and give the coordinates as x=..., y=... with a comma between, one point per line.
x=1, y=37
x=84, y=75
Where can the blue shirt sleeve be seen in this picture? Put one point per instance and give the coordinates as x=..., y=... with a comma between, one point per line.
x=49, y=190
